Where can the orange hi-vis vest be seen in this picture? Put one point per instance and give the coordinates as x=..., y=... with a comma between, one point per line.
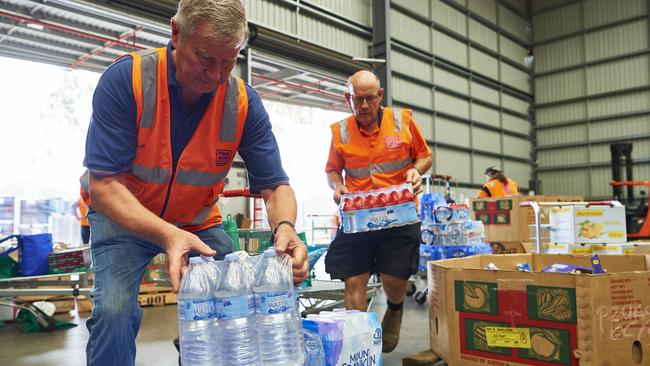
x=370, y=167
x=497, y=189
x=187, y=195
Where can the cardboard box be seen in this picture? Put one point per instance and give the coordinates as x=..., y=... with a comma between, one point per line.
x=504, y=220
x=511, y=247
x=510, y=318
x=582, y=224
x=565, y=248
x=612, y=249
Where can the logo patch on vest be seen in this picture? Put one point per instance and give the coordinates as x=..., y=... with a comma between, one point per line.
x=223, y=157
x=392, y=142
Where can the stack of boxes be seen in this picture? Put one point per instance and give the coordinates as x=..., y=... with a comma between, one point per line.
x=68, y=261
x=507, y=225
x=589, y=230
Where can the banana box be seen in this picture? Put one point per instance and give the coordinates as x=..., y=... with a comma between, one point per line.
x=505, y=317
x=588, y=224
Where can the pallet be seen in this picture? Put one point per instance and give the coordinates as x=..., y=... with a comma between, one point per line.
x=156, y=296
x=63, y=304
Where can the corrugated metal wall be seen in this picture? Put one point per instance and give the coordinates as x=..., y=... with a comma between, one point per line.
x=592, y=88
x=461, y=66
x=338, y=25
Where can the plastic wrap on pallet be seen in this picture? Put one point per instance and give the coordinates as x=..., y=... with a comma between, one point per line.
x=433, y=253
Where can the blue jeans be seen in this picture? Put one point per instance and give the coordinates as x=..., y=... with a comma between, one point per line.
x=119, y=261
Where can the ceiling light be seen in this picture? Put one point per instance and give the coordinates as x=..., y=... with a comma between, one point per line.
x=36, y=26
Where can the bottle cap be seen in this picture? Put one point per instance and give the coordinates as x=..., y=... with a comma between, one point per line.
x=270, y=252
x=231, y=257
x=196, y=260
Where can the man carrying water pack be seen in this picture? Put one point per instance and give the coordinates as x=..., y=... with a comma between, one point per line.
x=165, y=128
x=376, y=147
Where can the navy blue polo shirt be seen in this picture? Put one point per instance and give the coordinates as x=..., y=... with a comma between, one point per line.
x=113, y=134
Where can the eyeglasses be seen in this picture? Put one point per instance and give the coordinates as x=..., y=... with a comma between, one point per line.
x=359, y=100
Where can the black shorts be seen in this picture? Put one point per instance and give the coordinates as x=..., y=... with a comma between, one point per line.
x=394, y=251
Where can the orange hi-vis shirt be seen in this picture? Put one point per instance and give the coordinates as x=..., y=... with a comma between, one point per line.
x=380, y=158
x=494, y=188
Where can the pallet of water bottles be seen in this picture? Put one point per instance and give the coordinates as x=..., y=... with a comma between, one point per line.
x=448, y=231
x=378, y=209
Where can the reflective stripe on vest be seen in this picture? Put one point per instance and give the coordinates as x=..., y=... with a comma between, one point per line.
x=149, y=66
x=229, y=119
x=151, y=175
x=343, y=128
x=390, y=166
x=378, y=168
x=397, y=118
x=198, y=178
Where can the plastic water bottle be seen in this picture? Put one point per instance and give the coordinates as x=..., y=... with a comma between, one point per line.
x=426, y=212
x=314, y=351
x=280, y=330
x=331, y=332
x=196, y=313
x=235, y=308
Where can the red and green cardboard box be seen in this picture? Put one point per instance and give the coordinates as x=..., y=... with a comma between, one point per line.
x=509, y=318
x=505, y=221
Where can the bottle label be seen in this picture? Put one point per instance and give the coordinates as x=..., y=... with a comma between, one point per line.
x=234, y=307
x=197, y=309
x=278, y=302
x=312, y=346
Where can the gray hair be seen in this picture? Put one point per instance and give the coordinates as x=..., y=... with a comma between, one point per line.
x=227, y=18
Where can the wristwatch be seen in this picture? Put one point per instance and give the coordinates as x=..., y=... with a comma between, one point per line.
x=275, y=229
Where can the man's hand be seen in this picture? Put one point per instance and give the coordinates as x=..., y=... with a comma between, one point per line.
x=286, y=241
x=413, y=177
x=340, y=190
x=179, y=244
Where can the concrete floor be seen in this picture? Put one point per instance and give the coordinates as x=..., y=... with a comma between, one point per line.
x=159, y=327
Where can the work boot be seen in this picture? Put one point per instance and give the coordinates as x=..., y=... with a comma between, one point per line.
x=391, y=325
x=177, y=344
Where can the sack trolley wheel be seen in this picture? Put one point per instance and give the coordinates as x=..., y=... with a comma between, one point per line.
x=421, y=296
x=411, y=289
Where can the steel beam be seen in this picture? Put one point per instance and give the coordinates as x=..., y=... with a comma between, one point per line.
x=382, y=45
x=583, y=98
x=594, y=142
x=594, y=63
x=591, y=30
x=604, y=164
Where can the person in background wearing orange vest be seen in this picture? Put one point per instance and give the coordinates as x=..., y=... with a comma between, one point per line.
x=81, y=209
x=165, y=128
x=497, y=185
x=375, y=147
